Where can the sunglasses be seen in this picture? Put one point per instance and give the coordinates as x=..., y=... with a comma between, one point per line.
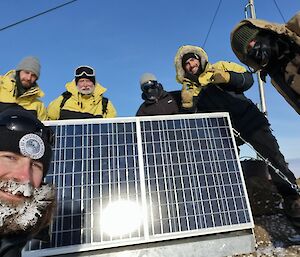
x=151, y=84
x=84, y=70
x=25, y=124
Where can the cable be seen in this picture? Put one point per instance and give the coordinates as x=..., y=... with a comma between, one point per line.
x=277, y=171
x=279, y=10
x=34, y=16
x=213, y=20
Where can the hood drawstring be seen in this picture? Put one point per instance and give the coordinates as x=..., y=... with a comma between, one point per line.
x=15, y=91
x=94, y=100
x=79, y=102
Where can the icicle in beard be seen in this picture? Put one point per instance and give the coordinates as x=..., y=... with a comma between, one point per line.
x=29, y=216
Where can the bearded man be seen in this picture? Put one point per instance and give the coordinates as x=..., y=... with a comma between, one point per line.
x=26, y=203
x=19, y=88
x=83, y=99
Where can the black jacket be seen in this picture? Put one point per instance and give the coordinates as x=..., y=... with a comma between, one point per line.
x=11, y=246
x=168, y=104
x=244, y=114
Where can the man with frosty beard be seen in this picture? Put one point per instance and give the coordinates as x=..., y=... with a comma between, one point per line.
x=26, y=203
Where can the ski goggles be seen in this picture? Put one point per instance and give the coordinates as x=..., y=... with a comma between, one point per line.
x=84, y=70
x=151, y=84
x=27, y=125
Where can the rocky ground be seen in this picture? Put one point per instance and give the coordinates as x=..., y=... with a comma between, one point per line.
x=275, y=235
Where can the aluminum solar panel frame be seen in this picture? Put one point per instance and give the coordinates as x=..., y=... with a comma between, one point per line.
x=147, y=186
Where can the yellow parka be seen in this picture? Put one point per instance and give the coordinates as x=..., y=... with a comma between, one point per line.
x=224, y=96
x=29, y=100
x=81, y=106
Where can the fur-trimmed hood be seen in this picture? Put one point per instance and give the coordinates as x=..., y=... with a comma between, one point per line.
x=290, y=29
x=180, y=73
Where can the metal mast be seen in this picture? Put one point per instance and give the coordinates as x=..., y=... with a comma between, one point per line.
x=263, y=107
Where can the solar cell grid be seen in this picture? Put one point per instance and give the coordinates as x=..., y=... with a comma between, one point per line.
x=183, y=144
x=182, y=171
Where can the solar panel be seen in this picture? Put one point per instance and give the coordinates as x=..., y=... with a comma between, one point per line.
x=127, y=181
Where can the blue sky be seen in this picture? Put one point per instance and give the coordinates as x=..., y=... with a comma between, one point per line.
x=122, y=39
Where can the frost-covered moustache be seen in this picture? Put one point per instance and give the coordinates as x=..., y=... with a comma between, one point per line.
x=28, y=215
x=16, y=188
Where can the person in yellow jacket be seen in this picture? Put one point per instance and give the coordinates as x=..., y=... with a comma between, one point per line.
x=83, y=99
x=19, y=89
x=219, y=87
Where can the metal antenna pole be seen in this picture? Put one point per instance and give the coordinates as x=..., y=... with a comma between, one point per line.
x=263, y=106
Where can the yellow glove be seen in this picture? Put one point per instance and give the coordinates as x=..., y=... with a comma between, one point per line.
x=218, y=76
x=187, y=94
x=205, y=78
